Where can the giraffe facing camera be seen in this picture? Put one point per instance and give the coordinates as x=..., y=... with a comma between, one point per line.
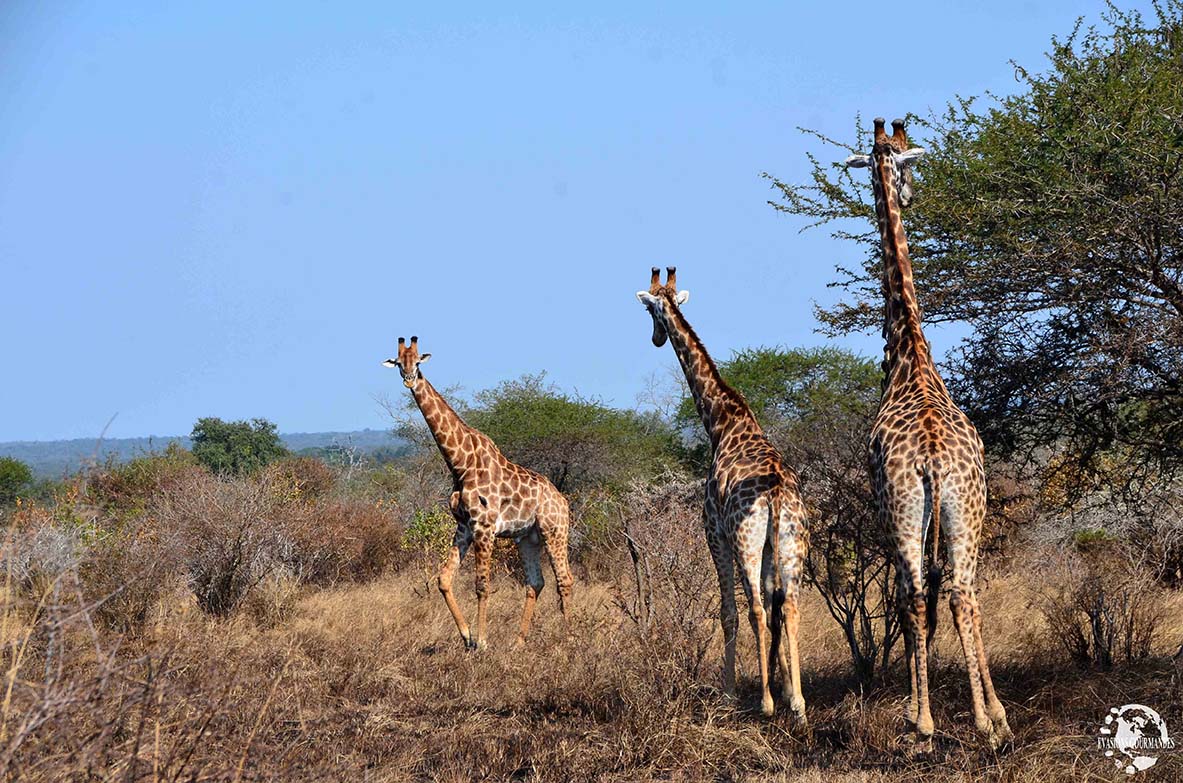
x=492, y=498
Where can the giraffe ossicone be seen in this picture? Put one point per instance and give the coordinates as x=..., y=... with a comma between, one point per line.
x=492, y=498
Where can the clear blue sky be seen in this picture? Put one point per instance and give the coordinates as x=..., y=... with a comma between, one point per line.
x=216, y=209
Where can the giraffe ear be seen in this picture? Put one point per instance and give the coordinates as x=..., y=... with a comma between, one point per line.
x=390, y=363
x=424, y=358
x=857, y=162
x=683, y=297
x=908, y=157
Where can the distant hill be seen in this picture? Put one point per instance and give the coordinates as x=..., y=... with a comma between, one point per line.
x=57, y=458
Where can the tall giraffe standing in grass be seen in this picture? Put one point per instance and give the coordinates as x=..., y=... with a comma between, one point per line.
x=926, y=460
x=753, y=511
x=493, y=497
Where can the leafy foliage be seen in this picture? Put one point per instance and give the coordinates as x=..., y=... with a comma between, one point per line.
x=1049, y=221
x=235, y=448
x=14, y=477
x=575, y=442
x=802, y=385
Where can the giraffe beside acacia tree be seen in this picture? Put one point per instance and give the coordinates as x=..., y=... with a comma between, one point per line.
x=492, y=498
x=753, y=512
x=926, y=461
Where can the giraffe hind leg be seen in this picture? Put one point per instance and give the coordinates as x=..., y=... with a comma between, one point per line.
x=530, y=550
x=753, y=530
x=728, y=612
x=914, y=607
x=554, y=524
x=791, y=572
x=778, y=654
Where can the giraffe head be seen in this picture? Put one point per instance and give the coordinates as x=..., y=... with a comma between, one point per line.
x=893, y=150
x=408, y=361
x=660, y=299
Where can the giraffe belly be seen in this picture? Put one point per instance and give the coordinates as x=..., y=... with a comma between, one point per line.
x=508, y=527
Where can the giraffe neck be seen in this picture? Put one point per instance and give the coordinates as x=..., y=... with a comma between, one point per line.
x=719, y=406
x=448, y=429
x=905, y=352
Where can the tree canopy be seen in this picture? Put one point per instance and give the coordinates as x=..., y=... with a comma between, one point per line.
x=790, y=389
x=1048, y=220
x=573, y=441
x=235, y=448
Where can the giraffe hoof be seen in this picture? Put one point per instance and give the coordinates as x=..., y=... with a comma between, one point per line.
x=1001, y=735
x=519, y=643
x=481, y=645
x=797, y=707
x=766, y=707
x=469, y=644
x=922, y=746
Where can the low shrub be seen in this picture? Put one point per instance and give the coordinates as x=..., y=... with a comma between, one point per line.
x=343, y=540
x=304, y=478
x=131, y=486
x=1100, y=605
x=227, y=534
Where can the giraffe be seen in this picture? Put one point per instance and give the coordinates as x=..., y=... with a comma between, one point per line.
x=492, y=497
x=752, y=513
x=926, y=461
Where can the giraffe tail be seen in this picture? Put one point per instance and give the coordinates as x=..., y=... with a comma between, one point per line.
x=932, y=485
x=774, y=508
x=776, y=613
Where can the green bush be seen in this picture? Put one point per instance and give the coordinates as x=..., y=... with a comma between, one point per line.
x=430, y=532
x=235, y=448
x=15, y=477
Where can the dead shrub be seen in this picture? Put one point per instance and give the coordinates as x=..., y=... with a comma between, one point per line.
x=343, y=540
x=227, y=533
x=1100, y=605
x=676, y=597
x=273, y=599
x=304, y=478
x=76, y=708
x=131, y=486
x=123, y=575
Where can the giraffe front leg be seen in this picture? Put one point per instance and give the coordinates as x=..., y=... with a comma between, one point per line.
x=444, y=582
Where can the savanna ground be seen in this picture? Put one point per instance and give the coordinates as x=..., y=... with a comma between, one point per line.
x=160, y=623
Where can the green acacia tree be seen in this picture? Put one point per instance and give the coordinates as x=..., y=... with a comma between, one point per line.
x=789, y=387
x=235, y=448
x=1050, y=221
x=575, y=442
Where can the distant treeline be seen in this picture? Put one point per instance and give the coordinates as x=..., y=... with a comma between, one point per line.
x=58, y=458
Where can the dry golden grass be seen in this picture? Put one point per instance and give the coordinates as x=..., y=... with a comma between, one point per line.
x=369, y=682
